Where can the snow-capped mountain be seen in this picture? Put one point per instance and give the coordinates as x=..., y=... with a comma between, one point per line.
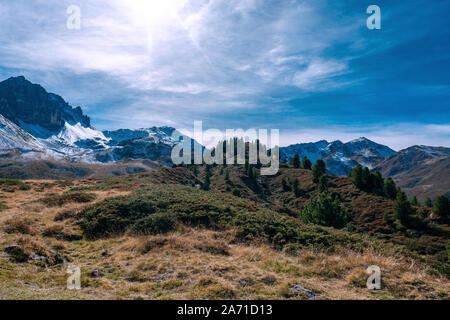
x=13, y=137
x=43, y=125
x=340, y=157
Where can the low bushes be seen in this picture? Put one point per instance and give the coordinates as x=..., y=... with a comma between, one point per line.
x=60, y=200
x=12, y=184
x=17, y=226
x=3, y=207
x=162, y=208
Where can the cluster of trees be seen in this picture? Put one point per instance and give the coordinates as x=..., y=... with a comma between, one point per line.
x=305, y=164
x=365, y=180
x=294, y=186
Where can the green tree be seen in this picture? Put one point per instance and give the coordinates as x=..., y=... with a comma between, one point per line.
x=296, y=187
x=428, y=202
x=402, y=207
x=227, y=175
x=306, y=163
x=441, y=206
x=324, y=210
x=250, y=172
x=207, y=176
x=285, y=184
x=296, y=161
x=390, y=189
x=323, y=183
x=415, y=202
x=366, y=179
x=356, y=176
x=195, y=170
x=318, y=170
x=378, y=181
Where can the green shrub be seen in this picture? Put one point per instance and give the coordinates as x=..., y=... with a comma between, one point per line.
x=3, y=207
x=14, y=183
x=324, y=210
x=236, y=192
x=159, y=209
x=60, y=200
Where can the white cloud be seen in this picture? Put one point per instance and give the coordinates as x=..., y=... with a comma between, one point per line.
x=318, y=76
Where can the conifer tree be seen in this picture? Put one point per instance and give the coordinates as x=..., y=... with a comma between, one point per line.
x=306, y=163
x=415, y=202
x=366, y=179
x=296, y=161
x=323, y=183
x=318, y=170
x=390, y=189
x=296, y=187
x=356, y=176
x=441, y=206
x=402, y=207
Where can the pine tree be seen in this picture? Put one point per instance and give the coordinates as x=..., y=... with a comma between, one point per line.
x=414, y=202
x=207, y=176
x=366, y=179
x=296, y=161
x=402, y=207
x=323, y=184
x=390, y=189
x=250, y=172
x=428, y=202
x=285, y=184
x=378, y=181
x=296, y=187
x=356, y=176
x=318, y=170
x=227, y=175
x=441, y=206
x=324, y=210
x=306, y=163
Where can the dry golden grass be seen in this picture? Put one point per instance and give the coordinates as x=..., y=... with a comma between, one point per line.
x=187, y=264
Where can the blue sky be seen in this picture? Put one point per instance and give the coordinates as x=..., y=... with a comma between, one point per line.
x=309, y=68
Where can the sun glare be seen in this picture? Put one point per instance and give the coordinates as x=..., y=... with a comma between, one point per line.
x=153, y=12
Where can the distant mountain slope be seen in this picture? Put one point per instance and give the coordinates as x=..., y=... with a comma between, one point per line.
x=13, y=137
x=340, y=157
x=421, y=171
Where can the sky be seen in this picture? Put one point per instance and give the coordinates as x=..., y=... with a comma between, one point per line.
x=311, y=69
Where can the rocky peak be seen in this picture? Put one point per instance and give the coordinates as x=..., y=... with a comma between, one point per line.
x=23, y=101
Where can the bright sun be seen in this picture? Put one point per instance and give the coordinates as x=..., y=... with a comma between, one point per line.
x=153, y=12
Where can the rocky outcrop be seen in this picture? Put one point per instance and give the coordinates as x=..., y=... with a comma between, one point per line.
x=23, y=101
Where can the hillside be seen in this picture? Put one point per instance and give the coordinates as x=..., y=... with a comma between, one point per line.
x=158, y=235
x=421, y=171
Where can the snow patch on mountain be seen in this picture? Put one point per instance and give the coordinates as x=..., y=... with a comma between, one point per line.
x=340, y=157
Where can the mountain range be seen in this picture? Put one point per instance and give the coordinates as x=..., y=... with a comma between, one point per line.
x=36, y=125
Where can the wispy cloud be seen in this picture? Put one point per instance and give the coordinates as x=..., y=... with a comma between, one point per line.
x=227, y=62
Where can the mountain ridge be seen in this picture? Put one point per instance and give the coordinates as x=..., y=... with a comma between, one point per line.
x=38, y=125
